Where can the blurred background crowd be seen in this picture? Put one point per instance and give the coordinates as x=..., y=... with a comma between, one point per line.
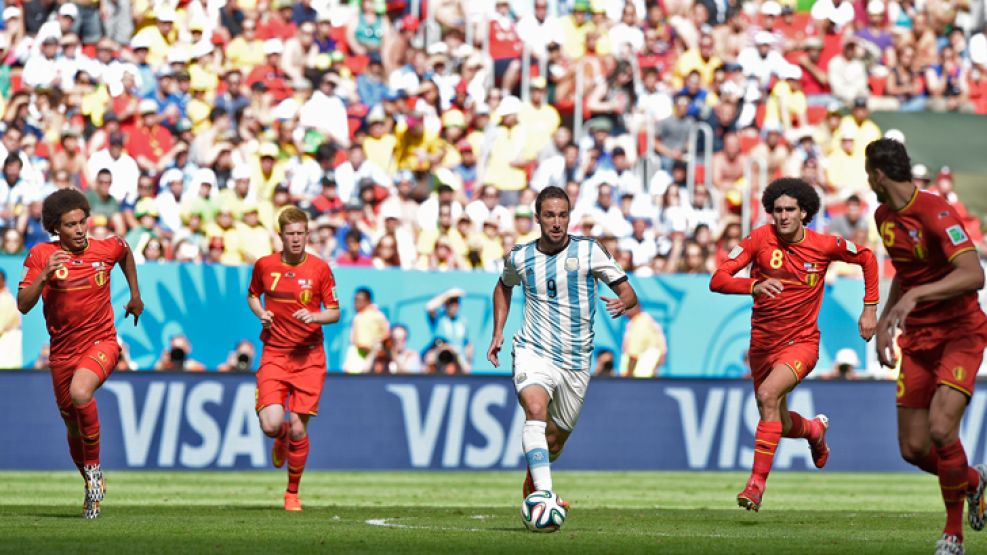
x=417, y=135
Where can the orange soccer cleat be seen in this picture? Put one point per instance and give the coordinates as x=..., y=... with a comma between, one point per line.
x=292, y=503
x=750, y=498
x=820, y=451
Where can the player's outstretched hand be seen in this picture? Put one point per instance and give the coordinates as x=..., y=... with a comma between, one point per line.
x=770, y=287
x=266, y=319
x=615, y=306
x=55, y=261
x=867, y=324
x=134, y=307
x=302, y=315
x=895, y=318
x=885, y=345
x=495, y=345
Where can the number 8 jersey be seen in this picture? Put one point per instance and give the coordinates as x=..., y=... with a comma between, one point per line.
x=560, y=293
x=286, y=289
x=790, y=317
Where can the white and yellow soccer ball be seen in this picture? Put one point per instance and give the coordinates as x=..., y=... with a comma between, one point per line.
x=542, y=511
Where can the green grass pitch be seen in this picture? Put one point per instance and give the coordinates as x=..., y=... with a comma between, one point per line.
x=472, y=512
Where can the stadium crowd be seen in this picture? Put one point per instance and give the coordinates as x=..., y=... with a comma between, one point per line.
x=410, y=147
x=420, y=143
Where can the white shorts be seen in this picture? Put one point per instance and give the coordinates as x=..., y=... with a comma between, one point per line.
x=566, y=388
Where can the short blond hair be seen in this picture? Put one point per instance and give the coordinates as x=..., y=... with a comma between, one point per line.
x=291, y=215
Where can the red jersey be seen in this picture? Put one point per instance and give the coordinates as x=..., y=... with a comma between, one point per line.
x=922, y=240
x=790, y=317
x=77, y=306
x=286, y=288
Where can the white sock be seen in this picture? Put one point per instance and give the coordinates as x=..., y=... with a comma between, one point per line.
x=536, y=452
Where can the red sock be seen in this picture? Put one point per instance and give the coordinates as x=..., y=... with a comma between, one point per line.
x=297, y=455
x=802, y=427
x=953, y=478
x=74, y=441
x=765, y=443
x=930, y=464
x=89, y=428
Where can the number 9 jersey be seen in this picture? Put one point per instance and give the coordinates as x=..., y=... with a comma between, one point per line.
x=288, y=288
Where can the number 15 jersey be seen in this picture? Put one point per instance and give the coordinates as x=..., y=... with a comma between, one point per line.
x=286, y=289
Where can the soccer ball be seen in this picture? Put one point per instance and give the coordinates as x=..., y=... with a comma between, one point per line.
x=542, y=511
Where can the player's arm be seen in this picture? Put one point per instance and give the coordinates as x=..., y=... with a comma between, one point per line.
x=723, y=280
x=849, y=252
x=36, y=277
x=135, y=305
x=626, y=298
x=254, y=291
x=502, y=294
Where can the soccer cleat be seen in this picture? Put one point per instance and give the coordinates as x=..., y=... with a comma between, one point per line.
x=279, y=453
x=750, y=498
x=292, y=503
x=528, y=487
x=95, y=483
x=975, y=500
x=820, y=451
x=90, y=509
x=949, y=544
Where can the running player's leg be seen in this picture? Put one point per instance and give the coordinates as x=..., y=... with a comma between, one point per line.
x=534, y=400
x=298, y=448
x=61, y=377
x=948, y=406
x=770, y=395
x=93, y=369
x=272, y=392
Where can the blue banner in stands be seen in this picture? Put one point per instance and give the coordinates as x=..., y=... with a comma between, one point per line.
x=707, y=333
x=193, y=421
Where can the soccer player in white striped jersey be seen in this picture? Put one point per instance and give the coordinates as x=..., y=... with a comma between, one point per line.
x=559, y=275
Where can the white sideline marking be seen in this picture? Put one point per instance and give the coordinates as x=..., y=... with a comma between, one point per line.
x=384, y=522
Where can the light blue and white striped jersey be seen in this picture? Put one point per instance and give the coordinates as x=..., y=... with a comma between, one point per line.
x=560, y=292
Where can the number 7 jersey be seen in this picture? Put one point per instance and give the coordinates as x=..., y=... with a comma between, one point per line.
x=791, y=316
x=287, y=288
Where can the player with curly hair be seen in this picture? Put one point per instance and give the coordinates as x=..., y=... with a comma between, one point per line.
x=72, y=277
x=788, y=266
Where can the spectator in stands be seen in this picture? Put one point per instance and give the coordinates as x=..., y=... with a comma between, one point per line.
x=847, y=73
x=10, y=328
x=13, y=243
x=815, y=74
x=672, y=134
x=944, y=83
x=905, y=82
x=859, y=121
x=604, y=363
x=701, y=58
x=844, y=366
x=763, y=61
x=241, y=358
x=177, y=356
x=644, y=347
x=850, y=223
x=368, y=330
x=450, y=325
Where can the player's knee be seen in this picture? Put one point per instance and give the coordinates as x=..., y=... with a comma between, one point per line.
x=535, y=410
x=942, y=434
x=768, y=399
x=913, y=452
x=297, y=432
x=80, y=394
x=270, y=428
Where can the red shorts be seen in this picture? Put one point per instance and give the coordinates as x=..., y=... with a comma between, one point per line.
x=800, y=358
x=101, y=359
x=933, y=356
x=299, y=374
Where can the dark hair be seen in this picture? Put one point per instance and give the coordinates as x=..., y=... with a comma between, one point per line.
x=550, y=192
x=3, y=277
x=366, y=292
x=58, y=203
x=105, y=171
x=889, y=156
x=798, y=189
x=12, y=159
x=853, y=198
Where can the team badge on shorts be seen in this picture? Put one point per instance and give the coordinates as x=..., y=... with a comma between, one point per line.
x=571, y=264
x=519, y=378
x=959, y=373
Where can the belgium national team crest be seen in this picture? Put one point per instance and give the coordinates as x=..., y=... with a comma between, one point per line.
x=305, y=296
x=811, y=279
x=959, y=373
x=100, y=278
